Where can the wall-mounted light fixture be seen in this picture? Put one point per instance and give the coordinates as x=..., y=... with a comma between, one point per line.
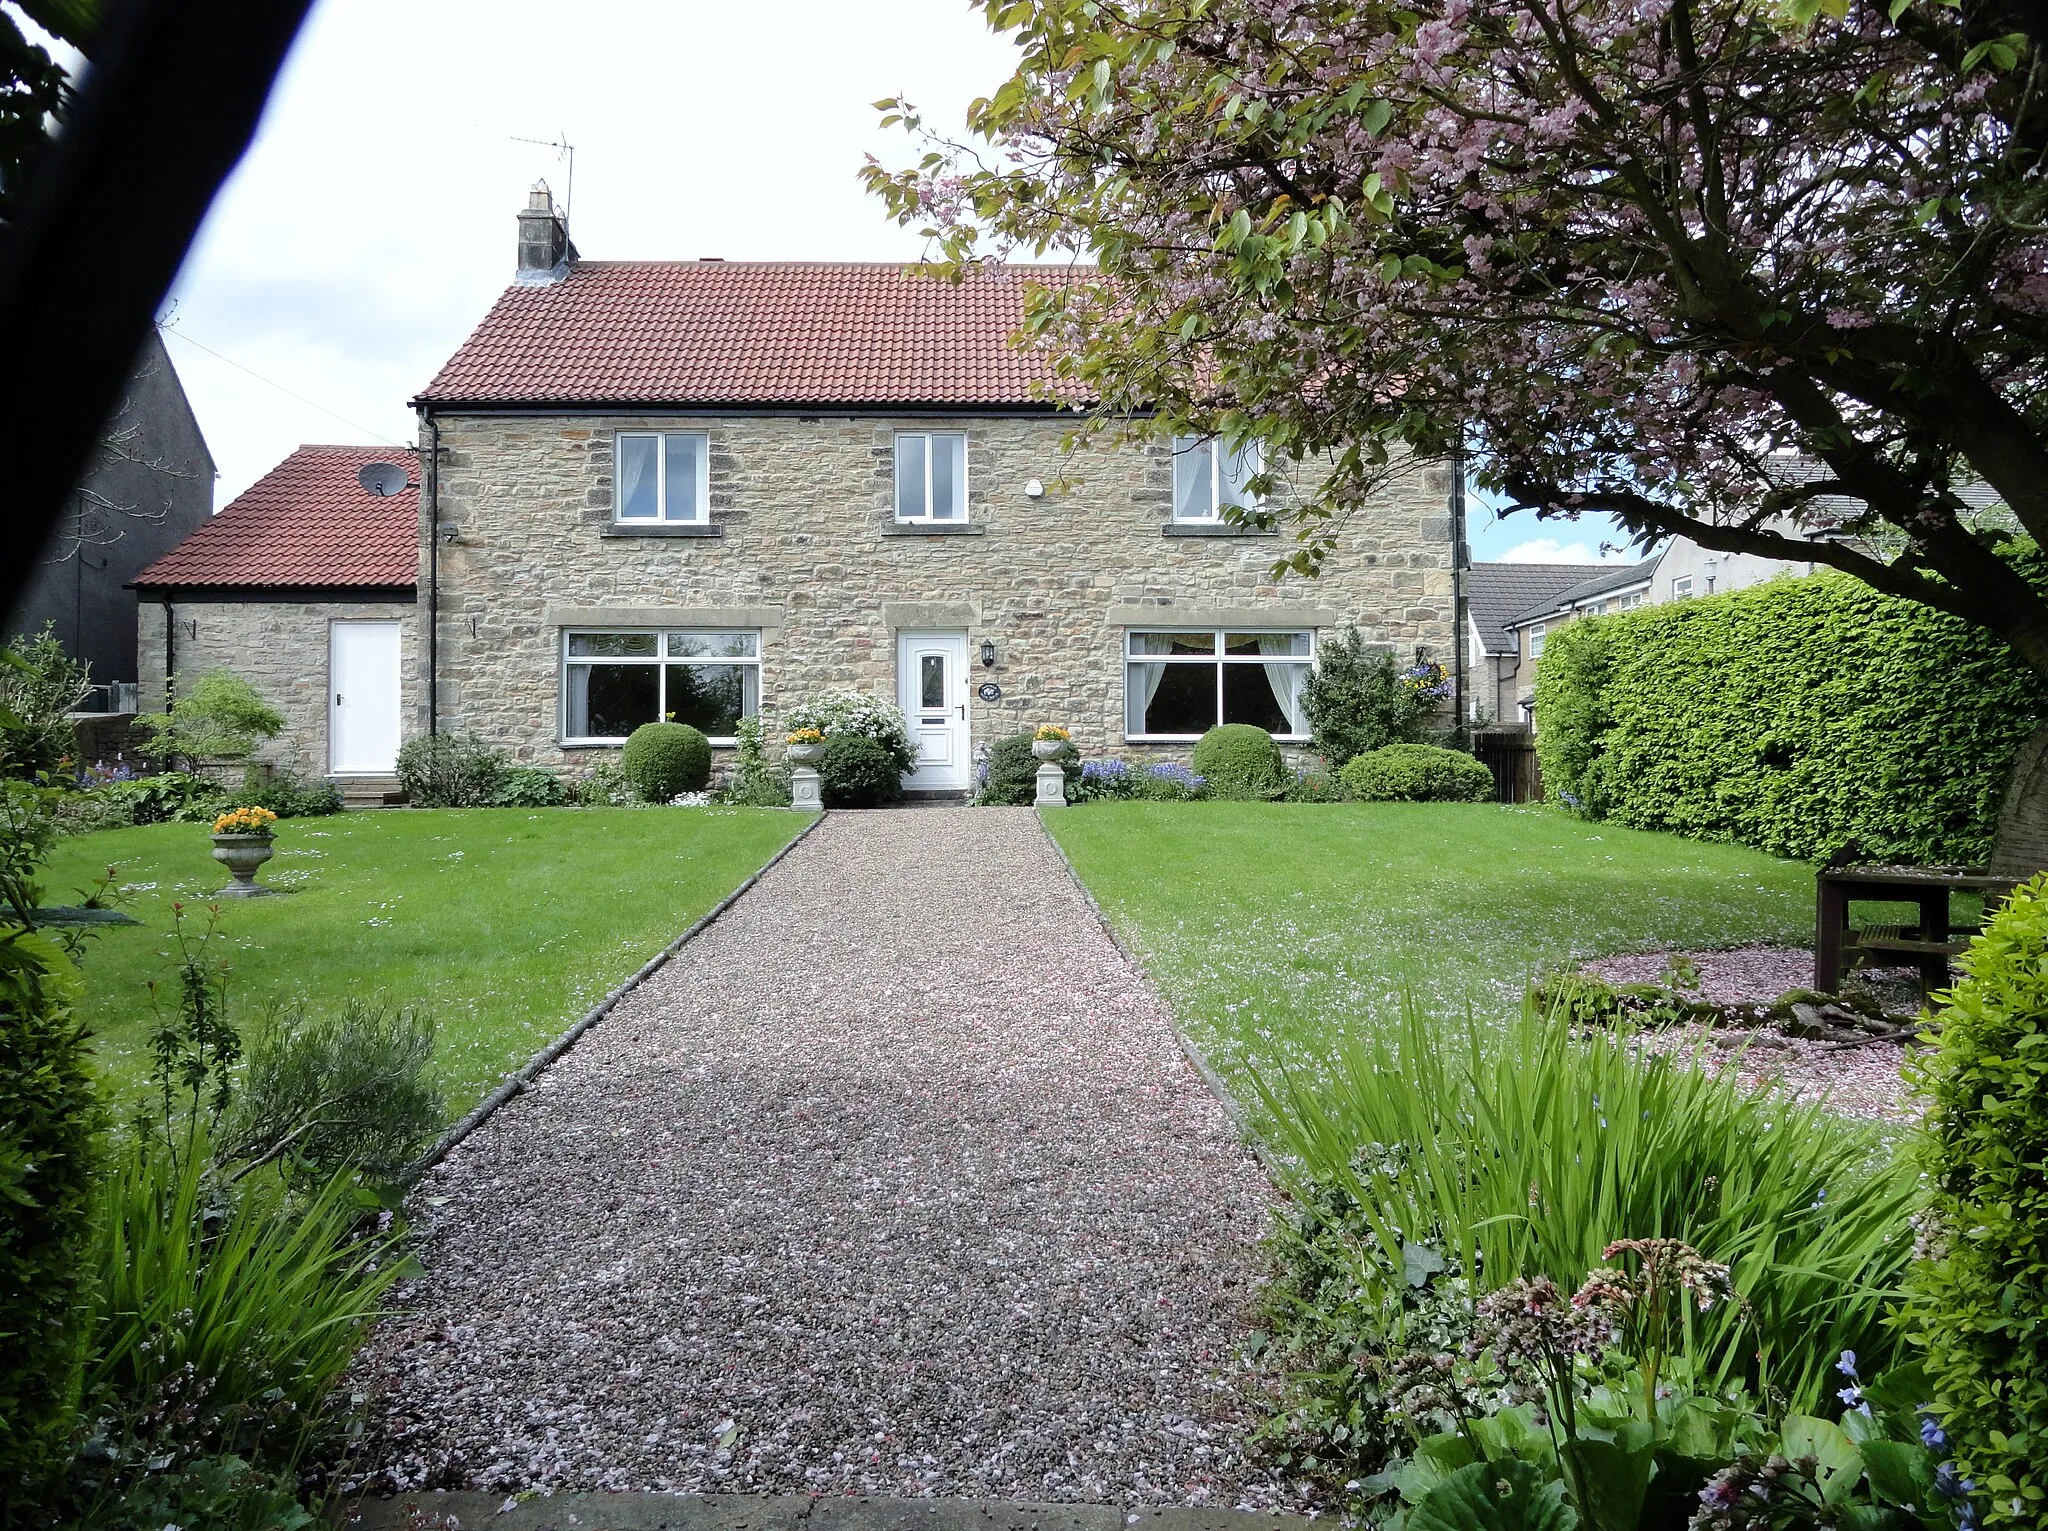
x=988, y=653
x=1033, y=489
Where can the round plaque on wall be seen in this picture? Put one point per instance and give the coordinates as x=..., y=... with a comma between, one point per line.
x=989, y=691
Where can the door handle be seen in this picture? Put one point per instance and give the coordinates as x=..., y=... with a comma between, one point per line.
x=963, y=710
x=337, y=698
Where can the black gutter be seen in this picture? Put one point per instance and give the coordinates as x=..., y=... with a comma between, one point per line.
x=228, y=595
x=757, y=410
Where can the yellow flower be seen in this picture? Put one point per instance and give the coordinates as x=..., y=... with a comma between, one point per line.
x=1052, y=733
x=805, y=736
x=245, y=821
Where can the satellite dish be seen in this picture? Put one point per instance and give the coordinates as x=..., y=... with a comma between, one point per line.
x=383, y=479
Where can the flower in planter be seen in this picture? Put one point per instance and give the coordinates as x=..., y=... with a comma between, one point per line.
x=245, y=821
x=1052, y=733
x=804, y=736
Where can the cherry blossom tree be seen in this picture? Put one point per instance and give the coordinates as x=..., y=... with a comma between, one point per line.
x=1770, y=274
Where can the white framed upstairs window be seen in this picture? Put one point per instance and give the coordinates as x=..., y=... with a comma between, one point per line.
x=931, y=476
x=1536, y=632
x=661, y=477
x=1681, y=588
x=1207, y=476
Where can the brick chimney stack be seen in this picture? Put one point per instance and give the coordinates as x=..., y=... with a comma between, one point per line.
x=545, y=251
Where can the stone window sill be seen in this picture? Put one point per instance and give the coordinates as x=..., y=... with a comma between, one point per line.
x=1203, y=529
x=933, y=529
x=654, y=529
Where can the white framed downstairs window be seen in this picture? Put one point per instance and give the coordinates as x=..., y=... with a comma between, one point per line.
x=931, y=476
x=1207, y=477
x=1179, y=684
x=661, y=477
x=612, y=682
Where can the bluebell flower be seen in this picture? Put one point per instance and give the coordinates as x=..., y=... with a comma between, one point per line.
x=1847, y=1364
x=1932, y=1436
x=1851, y=1395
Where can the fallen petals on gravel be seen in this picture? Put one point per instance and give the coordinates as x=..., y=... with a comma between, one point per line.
x=895, y=1181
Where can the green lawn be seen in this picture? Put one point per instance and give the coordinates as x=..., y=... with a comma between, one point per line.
x=507, y=923
x=1273, y=928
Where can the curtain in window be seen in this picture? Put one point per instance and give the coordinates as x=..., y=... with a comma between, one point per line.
x=1238, y=470
x=1285, y=679
x=636, y=477
x=1194, y=467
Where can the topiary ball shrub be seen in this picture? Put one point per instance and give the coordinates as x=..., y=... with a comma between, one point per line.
x=1416, y=773
x=1240, y=760
x=1978, y=1309
x=1010, y=779
x=858, y=772
x=664, y=760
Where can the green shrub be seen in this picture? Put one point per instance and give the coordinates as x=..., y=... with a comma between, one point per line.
x=1522, y=1150
x=288, y=797
x=352, y=1091
x=49, y=1121
x=1316, y=784
x=42, y=686
x=530, y=787
x=1356, y=700
x=665, y=760
x=1417, y=773
x=756, y=782
x=1979, y=1306
x=1796, y=716
x=263, y=1297
x=450, y=771
x=220, y=718
x=858, y=772
x=604, y=785
x=1239, y=760
x=169, y=797
x=1010, y=774
x=213, y=1493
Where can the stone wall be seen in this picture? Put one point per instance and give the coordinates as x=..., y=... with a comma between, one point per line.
x=280, y=648
x=807, y=551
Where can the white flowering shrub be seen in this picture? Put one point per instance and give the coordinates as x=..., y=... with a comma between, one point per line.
x=861, y=713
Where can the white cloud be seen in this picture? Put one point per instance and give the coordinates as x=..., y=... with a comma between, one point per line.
x=371, y=224
x=1552, y=550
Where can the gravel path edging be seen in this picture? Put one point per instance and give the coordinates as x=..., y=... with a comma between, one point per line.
x=1193, y=1054
x=517, y=1082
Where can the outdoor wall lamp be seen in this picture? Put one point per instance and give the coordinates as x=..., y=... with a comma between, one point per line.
x=988, y=654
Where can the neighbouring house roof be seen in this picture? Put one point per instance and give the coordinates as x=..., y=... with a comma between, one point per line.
x=306, y=523
x=1608, y=582
x=1497, y=593
x=754, y=333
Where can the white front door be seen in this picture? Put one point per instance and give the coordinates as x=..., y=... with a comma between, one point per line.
x=362, y=698
x=931, y=687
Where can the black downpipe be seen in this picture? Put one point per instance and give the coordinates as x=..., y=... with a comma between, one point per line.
x=433, y=571
x=170, y=651
x=1461, y=557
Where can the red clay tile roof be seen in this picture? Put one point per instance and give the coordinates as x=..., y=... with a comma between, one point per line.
x=752, y=332
x=306, y=522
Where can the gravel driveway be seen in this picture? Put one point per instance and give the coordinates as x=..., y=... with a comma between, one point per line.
x=893, y=1181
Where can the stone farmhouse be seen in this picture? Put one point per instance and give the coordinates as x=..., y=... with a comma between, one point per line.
x=709, y=489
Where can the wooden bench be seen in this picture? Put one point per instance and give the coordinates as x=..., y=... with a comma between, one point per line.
x=2019, y=850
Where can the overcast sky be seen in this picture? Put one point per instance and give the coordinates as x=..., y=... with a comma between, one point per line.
x=372, y=224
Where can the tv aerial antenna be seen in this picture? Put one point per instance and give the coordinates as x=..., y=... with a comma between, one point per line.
x=564, y=150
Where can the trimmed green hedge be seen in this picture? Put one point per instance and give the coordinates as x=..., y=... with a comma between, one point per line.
x=1416, y=773
x=665, y=760
x=1796, y=716
x=1979, y=1301
x=1240, y=760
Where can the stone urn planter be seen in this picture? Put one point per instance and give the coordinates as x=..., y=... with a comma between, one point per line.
x=806, y=754
x=242, y=854
x=1049, y=749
